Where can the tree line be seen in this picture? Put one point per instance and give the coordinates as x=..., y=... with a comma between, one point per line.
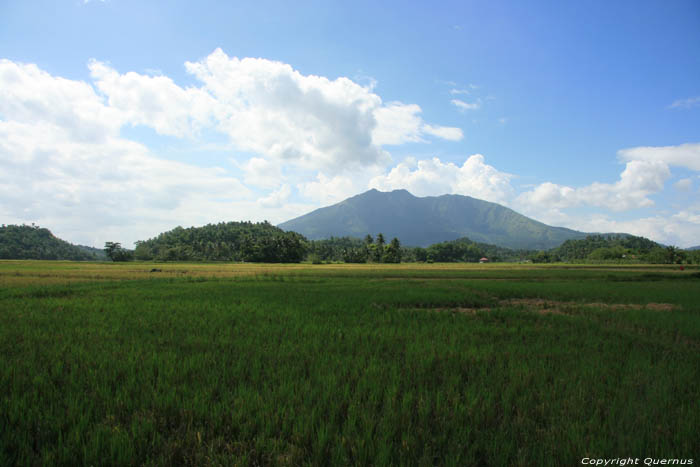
x=263, y=242
x=355, y=250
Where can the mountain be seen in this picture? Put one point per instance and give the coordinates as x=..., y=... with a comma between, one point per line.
x=693, y=248
x=33, y=242
x=425, y=221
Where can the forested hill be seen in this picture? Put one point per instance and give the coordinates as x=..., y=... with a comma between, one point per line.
x=230, y=241
x=33, y=242
x=602, y=247
x=425, y=221
x=620, y=248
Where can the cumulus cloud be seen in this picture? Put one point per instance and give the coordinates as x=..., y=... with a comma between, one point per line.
x=262, y=172
x=434, y=177
x=58, y=181
x=329, y=190
x=31, y=95
x=65, y=166
x=639, y=180
x=277, y=198
x=268, y=108
x=684, y=155
x=399, y=123
x=154, y=101
x=65, y=163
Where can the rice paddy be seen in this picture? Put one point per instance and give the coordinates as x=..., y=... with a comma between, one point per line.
x=430, y=364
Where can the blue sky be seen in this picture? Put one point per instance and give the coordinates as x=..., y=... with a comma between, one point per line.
x=121, y=119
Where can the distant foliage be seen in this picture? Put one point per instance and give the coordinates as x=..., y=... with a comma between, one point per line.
x=604, y=247
x=230, y=241
x=34, y=242
x=336, y=249
x=369, y=249
x=594, y=248
x=693, y=256
x=116, y=253
x=467, y=251
x=354, y=250
x=616, y=249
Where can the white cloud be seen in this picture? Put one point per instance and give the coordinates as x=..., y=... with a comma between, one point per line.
x=462, y=106
x=30, y=95
x=329, y=190
x=269, y=109
x=549, y=195
x=433, y=177
x=155, y=101
x=691, y=215
x=263, y=173
x=684, y=184
x=684, y=155
x=103, y=186
x=65, y=165
x=639, y=180
x=277, y=198
x=686, y=103
x=444, y=132
x=399, y=123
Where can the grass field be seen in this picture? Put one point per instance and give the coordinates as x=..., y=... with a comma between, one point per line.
x=239, y=364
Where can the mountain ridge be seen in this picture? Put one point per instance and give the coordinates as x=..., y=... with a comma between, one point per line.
x=422, y=221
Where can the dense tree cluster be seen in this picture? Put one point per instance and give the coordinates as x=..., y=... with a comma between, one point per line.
x=33, y=242
x=336, y=249
x=116, y=252
x=354, y=250
x=230, y=241
x=603, y=247
x=616, y=248
x=467, y=251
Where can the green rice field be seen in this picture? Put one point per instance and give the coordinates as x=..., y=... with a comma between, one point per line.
x=409, y=364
